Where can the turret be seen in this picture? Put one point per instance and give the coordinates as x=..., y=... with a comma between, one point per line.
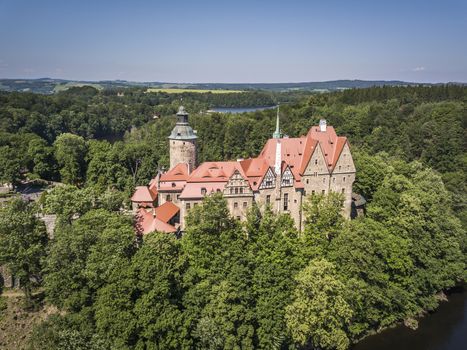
x=183, y=142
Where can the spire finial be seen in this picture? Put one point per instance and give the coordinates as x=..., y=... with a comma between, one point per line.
x=277, y=133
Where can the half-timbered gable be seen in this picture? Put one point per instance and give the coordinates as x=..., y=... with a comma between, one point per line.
x=269, y=180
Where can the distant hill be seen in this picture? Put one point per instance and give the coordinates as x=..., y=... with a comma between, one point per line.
x=50, y=86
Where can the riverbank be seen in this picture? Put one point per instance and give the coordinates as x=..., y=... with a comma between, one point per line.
x=443, y=329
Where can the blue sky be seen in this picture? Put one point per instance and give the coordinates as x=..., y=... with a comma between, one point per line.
x=234, y=41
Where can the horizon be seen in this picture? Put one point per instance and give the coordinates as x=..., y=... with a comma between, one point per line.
x=234, y=43
x=236, y=83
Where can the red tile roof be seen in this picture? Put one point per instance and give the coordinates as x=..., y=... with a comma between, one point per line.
x=177, y=173
x=166, y=211
x=192, y=190
x=143, y=194
x=213, y=176
x=215, y=171
x=146, y=222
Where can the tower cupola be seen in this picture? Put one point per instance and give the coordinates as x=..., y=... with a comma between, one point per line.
x=182, y=141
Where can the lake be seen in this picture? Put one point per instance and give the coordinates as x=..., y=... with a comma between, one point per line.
x=445, y=329
x=239, y=110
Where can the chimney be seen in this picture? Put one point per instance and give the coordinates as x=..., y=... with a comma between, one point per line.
x=322, y=125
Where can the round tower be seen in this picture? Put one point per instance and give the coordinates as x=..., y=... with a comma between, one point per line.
x=183, y=142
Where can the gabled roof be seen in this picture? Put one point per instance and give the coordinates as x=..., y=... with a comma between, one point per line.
x=177, y=173
x=146, y=223
x=143, y=194
x=192, y=190
x=166, y=211
x=215, y=172
x=330, y=143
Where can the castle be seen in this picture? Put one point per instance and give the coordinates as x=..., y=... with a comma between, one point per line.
x=286, y=170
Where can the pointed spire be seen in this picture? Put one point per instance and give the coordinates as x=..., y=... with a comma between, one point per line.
x=277, y=133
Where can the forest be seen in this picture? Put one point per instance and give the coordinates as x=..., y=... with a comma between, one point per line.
x=260, y=284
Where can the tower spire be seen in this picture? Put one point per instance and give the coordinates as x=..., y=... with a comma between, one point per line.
x=277, y=133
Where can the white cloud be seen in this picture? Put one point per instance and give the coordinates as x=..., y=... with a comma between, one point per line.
x=418, y=69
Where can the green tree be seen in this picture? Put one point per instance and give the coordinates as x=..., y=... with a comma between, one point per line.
x=216, y=246
x=323, y=222
x=74, y=267
x=319, y=316
x=9, y=166
x=70, y=151
x=274, y=251
x=23, y=244
x=43, y=163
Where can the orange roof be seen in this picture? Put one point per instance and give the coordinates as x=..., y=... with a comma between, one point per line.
x=330, y=143
x=143, y=194
x=166, y=211
x=146, y=223
x=177, y=173
x=215, y=171
x=295, y=154
x=193, y=189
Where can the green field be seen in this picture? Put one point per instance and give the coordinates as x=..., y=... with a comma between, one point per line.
x=179, y=91
x=63, y=87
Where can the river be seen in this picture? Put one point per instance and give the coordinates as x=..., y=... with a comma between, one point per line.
x=239, y=110
x=444, y=329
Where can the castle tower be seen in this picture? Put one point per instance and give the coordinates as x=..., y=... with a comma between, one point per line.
x=183, y=142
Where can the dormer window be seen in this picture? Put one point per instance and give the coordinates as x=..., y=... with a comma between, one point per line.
x=203, y=191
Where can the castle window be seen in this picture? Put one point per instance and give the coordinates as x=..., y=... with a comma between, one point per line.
x=323, y=191
x=316, y=161
x=178, y=196
x=343, y=190
x=268, y=183
x=173, y=184
x=236, y=190
x=187, y=206
x=245, y=204
x=324, y=180
x=312, y=192
x=241, y=190
x=286, y=201
x=168, y=198
x=343, y=179
x=268, y=199
x=307, y=181
x=203, y=191
x=340, y=167
x=235, y=205
x=183, y=142
x=231, y=190
x=218, y=190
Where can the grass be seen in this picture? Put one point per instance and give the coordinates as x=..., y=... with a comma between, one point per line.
x=180, y=91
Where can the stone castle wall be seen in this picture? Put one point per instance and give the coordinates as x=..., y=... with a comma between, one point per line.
x=183, y=152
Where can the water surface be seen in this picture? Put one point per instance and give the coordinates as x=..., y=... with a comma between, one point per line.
x=445, y=329
x=239, y=110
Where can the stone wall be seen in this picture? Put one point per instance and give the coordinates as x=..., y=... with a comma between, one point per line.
x=183, y=152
